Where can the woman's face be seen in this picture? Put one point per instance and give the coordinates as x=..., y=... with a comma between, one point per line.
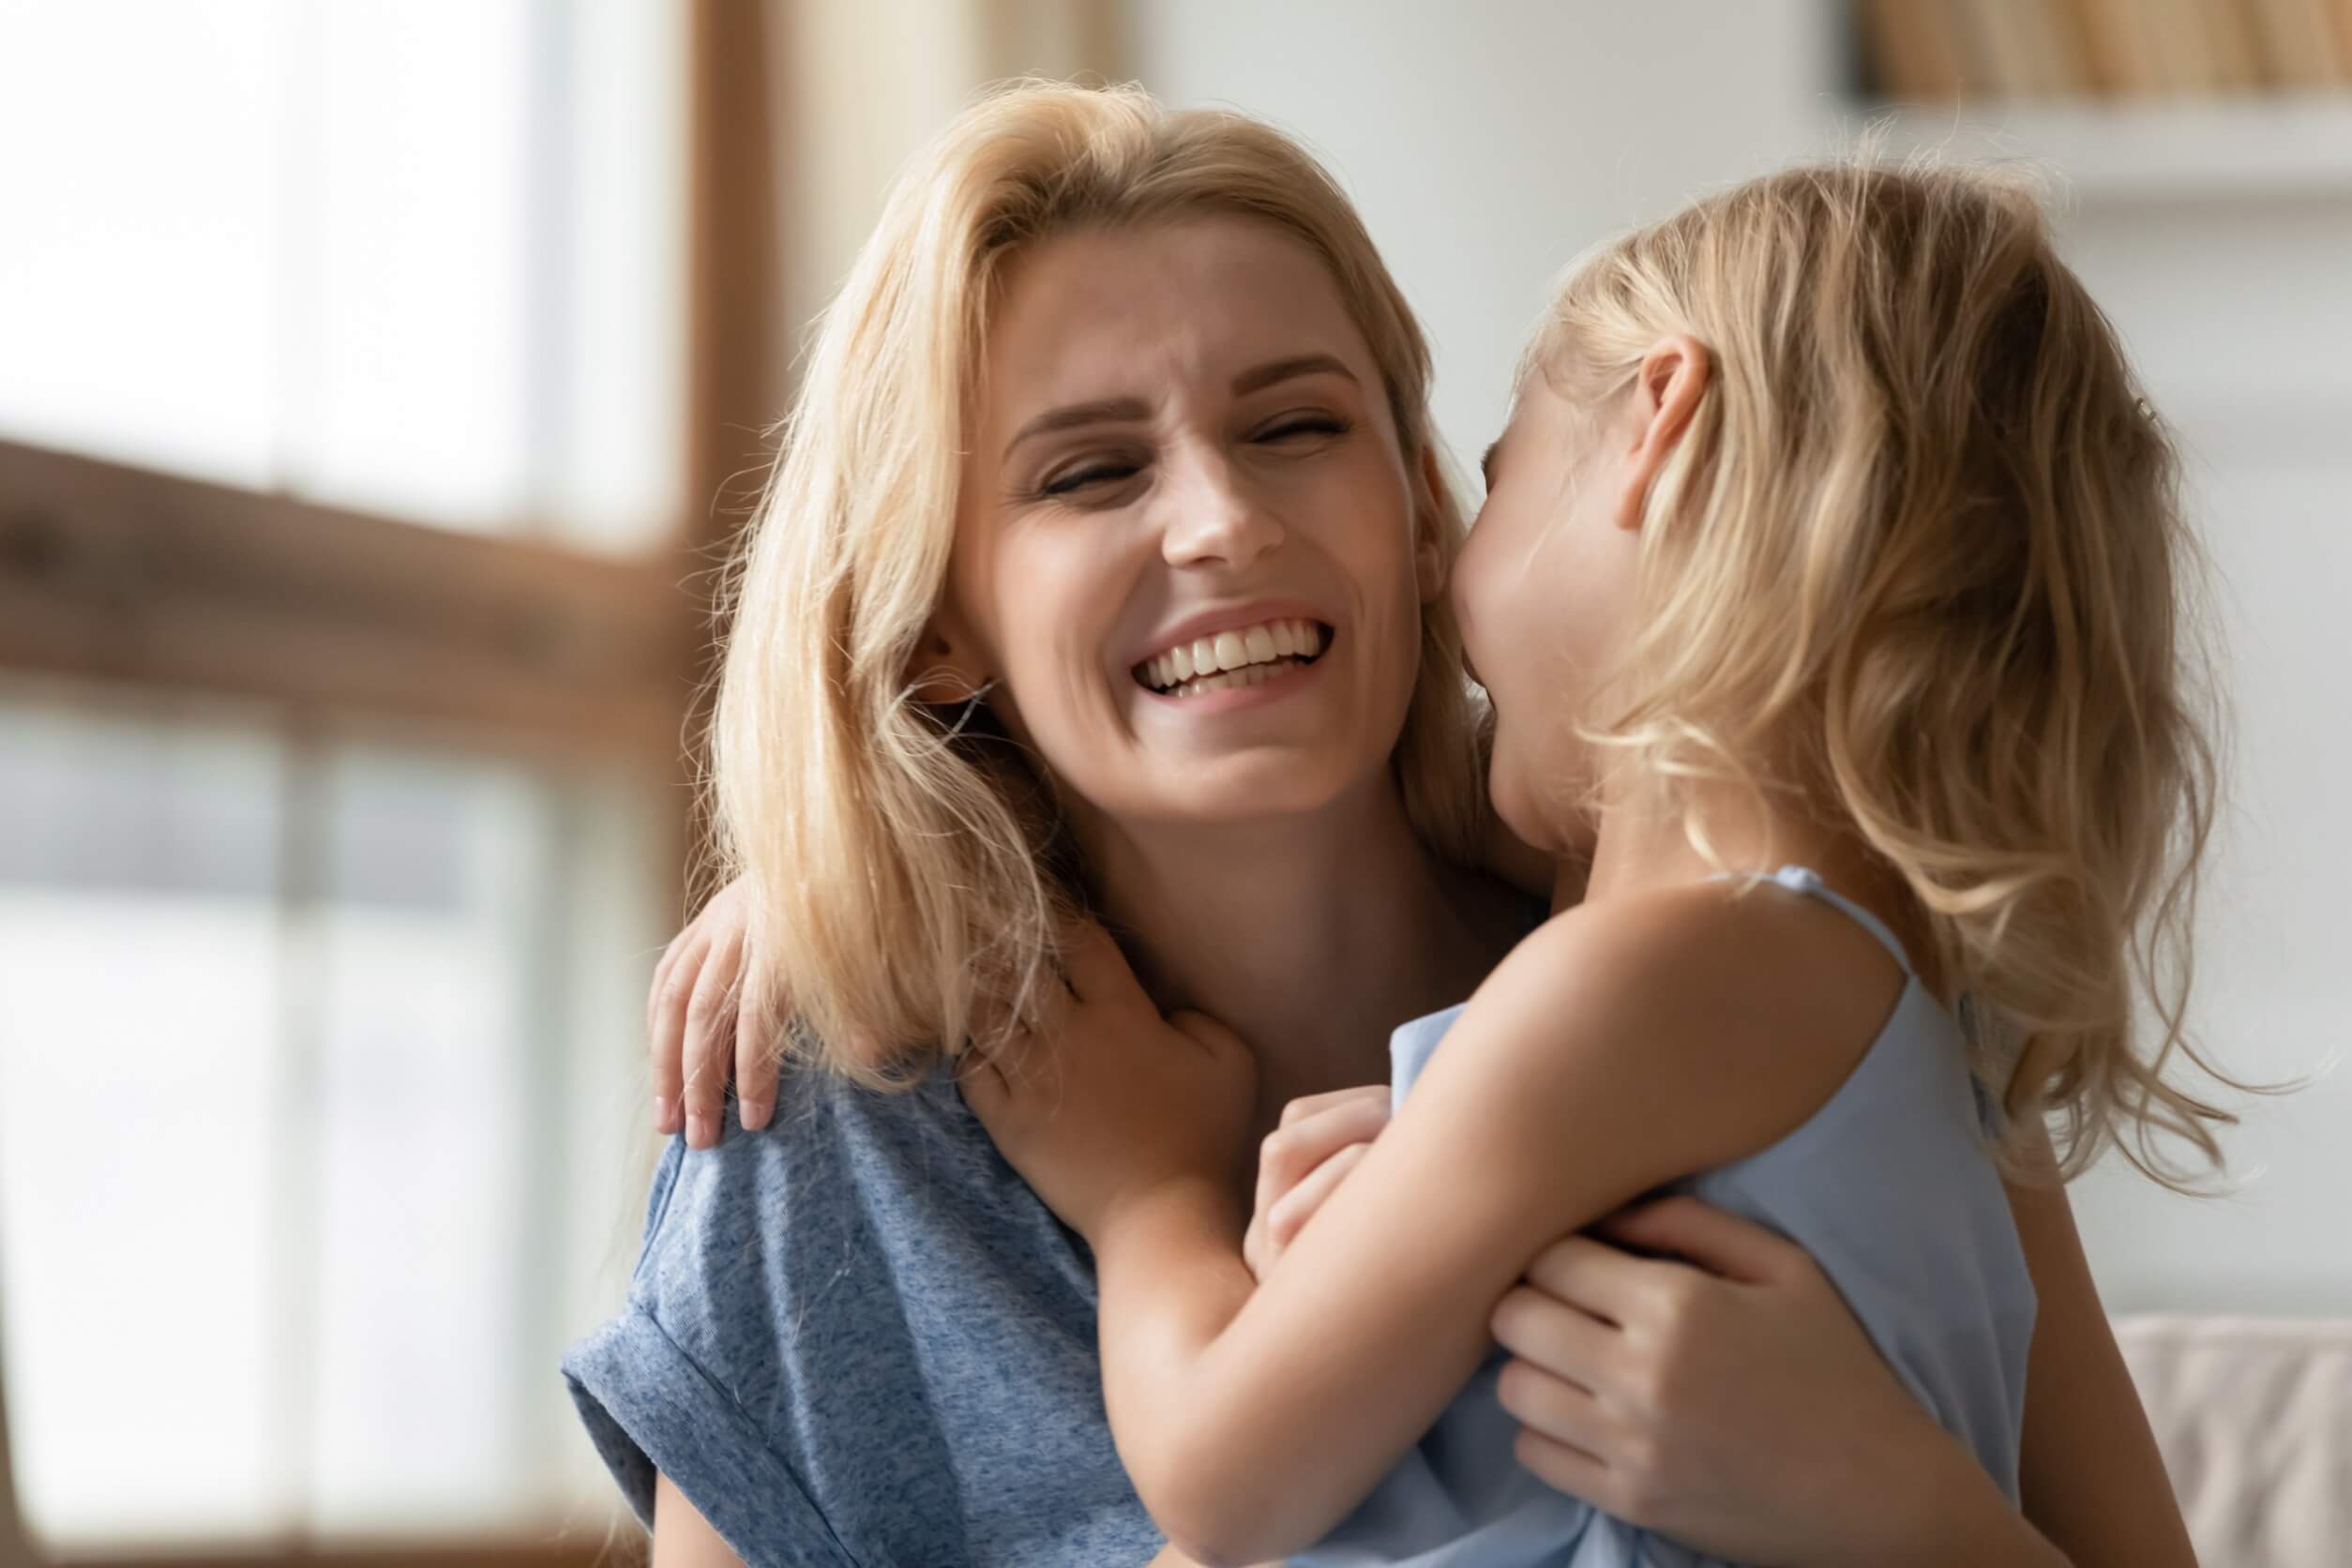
x=1187, y=546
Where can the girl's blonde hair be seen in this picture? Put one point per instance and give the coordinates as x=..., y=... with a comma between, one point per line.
x=904, y=875
x=1924, y=528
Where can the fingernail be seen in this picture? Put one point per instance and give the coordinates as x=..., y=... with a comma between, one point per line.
x=662, y=1107
x=756, y=1113
x=700, y=1131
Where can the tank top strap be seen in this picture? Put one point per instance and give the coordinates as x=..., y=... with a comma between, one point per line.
x=1803, y=880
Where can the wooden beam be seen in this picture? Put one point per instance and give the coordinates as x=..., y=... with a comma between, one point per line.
x=125, y=575
x=739, y=351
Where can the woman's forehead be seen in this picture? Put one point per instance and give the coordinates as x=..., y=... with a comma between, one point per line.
x=1141, y=310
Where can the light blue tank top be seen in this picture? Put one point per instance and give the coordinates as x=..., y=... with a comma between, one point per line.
x=1889, y=1186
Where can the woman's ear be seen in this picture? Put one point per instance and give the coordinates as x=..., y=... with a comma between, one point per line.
x=1428, y=527
x=1671, y=381
x=945, y=667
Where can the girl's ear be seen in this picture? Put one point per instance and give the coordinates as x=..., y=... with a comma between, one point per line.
x=1428, y=530
x=1668, y=387
x=945, y=667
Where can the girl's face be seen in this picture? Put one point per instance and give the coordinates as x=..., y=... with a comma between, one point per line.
x=1188, y=548
x=1542, y=589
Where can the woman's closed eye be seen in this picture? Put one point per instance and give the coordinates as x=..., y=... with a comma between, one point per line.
x=1100, y=475
x=1300, y=429
x=1087, y=476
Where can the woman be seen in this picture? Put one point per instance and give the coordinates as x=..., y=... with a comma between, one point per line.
x=1108, y=383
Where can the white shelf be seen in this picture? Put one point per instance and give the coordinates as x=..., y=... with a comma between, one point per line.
x=2181, y=150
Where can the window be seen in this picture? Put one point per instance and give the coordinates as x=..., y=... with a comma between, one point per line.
x=314, y=1089
x=418, y=258
x=348, y=630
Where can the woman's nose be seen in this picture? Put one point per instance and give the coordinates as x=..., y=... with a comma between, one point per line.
x=1215, y=518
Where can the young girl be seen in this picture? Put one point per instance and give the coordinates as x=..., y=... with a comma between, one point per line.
x=1828, y=592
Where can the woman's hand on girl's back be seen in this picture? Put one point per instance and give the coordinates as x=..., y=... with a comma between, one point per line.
x=1723, y=1395
x=705, y=1019
x=1105, y=1101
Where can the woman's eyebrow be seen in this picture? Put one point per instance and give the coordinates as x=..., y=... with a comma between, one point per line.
x=1275, y=372
x=1102, y=411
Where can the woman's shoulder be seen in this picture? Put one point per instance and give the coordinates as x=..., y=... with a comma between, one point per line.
x=842, y=1164
x=859, y=1297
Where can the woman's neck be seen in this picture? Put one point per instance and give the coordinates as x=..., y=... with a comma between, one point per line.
x=1311, y=936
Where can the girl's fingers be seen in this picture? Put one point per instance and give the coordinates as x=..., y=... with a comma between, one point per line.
x=759, y=1023
x=666, y=1026
x=1095, y=969
x=757, y=1060
x=655, y=992
x=1560, y=1340
x=1300, y=1110
x=1289, y=1216
x=710, y=1037
x=1297, y=1148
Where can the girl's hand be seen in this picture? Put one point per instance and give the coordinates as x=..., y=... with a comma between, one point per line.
x=1303, y=1162
x=707, y=1014
x=1736, y=1406
x=1106, y=1101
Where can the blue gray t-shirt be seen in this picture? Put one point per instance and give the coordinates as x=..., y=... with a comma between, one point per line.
x=857, y=1337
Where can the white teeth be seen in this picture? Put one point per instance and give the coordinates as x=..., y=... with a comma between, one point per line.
x=1241, y=657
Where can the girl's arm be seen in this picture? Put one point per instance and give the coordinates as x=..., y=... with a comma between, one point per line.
x=1749, y=1415
x=1253, y=1423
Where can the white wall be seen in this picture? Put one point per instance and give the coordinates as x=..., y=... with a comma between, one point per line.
x=1490, y=143
x=1487, y=143
x=2238, y=311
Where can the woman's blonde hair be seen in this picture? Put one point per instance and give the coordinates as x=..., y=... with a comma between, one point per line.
x=904, y=875
x=1924, y=529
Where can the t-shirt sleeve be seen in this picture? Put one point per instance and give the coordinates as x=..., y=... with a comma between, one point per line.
x=652, y=1405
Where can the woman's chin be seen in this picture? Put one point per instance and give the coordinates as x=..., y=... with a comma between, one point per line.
x=1265, y=783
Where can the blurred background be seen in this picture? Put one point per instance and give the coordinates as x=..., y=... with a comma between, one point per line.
x=380, y=381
